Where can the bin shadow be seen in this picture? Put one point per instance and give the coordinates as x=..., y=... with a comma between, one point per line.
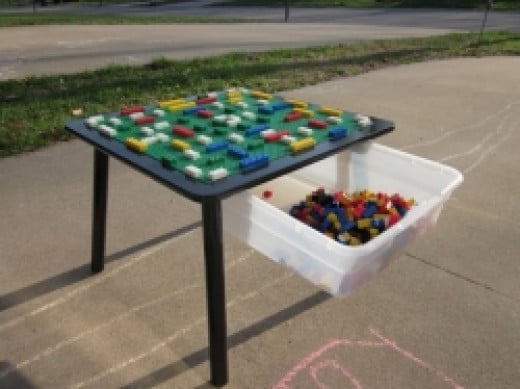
x=198, y=357
x=80, y=273
x=15, y=380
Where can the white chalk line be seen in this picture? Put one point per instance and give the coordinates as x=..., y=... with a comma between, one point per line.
x=479, y=212
x=489, y=150
x=52, y=349
x=94, y=281
x=480, y=145
x=183, y=331
x=447, y=134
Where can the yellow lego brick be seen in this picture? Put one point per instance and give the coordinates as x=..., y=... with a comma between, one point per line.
x=364, y=223
x=310, y=220
x=393, y=211
x=136, y=145
x=305, y=112
x=302, y=145
x=353, y=241
x=332, y=217
x=373, y=232
x=181, y=106
x=261, y=95
x=372, y=198
x=298, y=103
x=366, y=194
x=180, y=145
x=330, y=111
x=345, y=237
x=164, y=104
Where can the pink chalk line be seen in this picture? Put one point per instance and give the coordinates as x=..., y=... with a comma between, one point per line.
x=334, y=364
x=285, y=382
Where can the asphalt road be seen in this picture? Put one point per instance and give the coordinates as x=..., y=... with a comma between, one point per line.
x=470, y=20
x=41, y=50
x=67, y=49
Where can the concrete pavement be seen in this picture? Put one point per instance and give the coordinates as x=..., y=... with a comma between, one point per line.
x=445, y=314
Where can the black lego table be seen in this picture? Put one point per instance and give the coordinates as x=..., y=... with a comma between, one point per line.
x=128, y=136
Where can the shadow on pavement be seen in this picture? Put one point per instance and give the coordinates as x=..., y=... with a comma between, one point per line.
x=72, y=276
x=16, y=380
x=174, y=369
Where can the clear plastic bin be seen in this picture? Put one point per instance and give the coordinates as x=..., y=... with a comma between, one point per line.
x=266, y=225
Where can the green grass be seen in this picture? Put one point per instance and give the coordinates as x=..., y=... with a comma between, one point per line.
x=497, y=4
x=34, y=110
x=47, y=18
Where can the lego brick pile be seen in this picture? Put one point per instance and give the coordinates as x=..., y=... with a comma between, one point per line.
x=351, y=219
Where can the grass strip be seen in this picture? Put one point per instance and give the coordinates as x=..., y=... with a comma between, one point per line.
x=503, y=5
x=33, y=111
x=51, y=18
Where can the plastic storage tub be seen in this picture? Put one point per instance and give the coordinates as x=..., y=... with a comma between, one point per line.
x=267, y=226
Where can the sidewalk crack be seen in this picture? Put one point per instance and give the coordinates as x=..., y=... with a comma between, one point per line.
x=462, y=277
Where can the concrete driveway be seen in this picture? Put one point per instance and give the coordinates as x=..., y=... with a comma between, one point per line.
x=445, y=314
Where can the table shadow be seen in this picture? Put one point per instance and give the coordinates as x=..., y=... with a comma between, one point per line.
x=198, y=357
x=79, y=273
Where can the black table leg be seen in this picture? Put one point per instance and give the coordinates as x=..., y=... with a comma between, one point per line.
x=99, y=210
x=215, y=290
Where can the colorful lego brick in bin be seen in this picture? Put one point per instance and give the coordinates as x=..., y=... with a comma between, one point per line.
x=348, y=218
